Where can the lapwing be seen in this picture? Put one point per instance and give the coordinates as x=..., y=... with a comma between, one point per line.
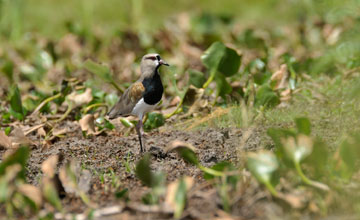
x=143, y=95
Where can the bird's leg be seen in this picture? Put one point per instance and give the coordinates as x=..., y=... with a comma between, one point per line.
x=139, y=130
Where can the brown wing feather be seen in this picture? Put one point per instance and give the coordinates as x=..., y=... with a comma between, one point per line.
x=127, y=101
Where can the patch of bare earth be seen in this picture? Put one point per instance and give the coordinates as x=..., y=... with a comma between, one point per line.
x=101, y=154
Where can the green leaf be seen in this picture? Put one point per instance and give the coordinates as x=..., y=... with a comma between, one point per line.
x=303, y=125
x=20, y=156
x=221, y=58
x=122, y=193
x=143, y=171
x=126, y=123
x=319, y=158
x=222, y=167
x=154, y=120
x=297, y=149
x=16, y=108
x=196, y=78
x=350, y=152
x=4, y=190
x=262, y=166
x=265, y=96
x=111, y=99
x=51, y=195
x=180, y=199
x=188, y=155
x=230, y=62
x=223, y=87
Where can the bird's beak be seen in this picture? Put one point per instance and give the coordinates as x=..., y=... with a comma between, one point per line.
x=162, y=62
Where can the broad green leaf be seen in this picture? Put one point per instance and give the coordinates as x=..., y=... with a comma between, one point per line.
x=180, y=198
x=154, y=120
x=188, y=155
x=221, y=58
x=349, y=153
x=16, y=108
x=143, y=171
x=262, y=165
x=223, y=87
x=213, y=55
x=122, y=193
x=303, y=125
x=265, y=96
x=230, y=62
x=297, y=149
x=319, y=158
x=185, y=150
x=196, y=78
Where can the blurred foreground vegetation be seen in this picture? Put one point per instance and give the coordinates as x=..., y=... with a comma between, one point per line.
x=290, y=67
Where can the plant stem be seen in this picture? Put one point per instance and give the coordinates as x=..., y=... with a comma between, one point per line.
x=68, y=110
x=176, y=110
x=117, y=87
x=210, y=79
x=43, y=103
x=95, y=106
x=271, y=189
x=308, y=181
x=210, y=171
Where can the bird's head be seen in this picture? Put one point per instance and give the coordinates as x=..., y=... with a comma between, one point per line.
x=150, y=62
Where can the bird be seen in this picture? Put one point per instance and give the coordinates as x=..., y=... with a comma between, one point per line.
x=142, y=96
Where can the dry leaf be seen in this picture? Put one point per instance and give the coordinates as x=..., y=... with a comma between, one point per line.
x=179, y=144
x=18, y=138
x=281, y=77
x=59, y=132
x=32, y=192
x=87, y=124
x=48, y=167
x=41, y=132
x=172, y=190
x=80, y=99
x=295, y=201
x=5, y=141
x=81, y=182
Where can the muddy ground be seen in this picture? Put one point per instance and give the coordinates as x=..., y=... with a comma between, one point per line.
x=109, y=151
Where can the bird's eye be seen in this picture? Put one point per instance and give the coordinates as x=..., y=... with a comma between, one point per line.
x=152, y=58
x=158, y=57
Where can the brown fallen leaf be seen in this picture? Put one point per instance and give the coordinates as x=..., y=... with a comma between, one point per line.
x=41, y=132
x=172, y=188
x=281, y=77
x=48, y=167
x=179, y=144
x=5, y=141
x=18, y=138
x=32, y=192
x=87, y=124
x=80, y=99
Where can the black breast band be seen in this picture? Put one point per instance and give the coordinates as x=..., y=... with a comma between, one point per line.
x=153, y=89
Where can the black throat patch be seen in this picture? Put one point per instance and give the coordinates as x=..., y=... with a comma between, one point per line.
x=153, y=89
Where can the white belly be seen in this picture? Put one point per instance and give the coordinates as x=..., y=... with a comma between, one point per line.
x=141, y=108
